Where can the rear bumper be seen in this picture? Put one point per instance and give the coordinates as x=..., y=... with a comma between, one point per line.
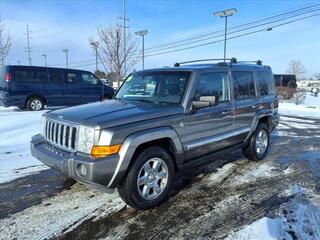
x=98, y=172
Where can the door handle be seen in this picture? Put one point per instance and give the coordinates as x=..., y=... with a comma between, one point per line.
x=226, y=112
x=254, y=106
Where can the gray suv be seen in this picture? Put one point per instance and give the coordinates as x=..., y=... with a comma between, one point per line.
x=160, y=122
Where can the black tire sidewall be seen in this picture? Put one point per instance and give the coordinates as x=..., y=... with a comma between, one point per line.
x=253, y=141
x=131, y=180
x=30, y=101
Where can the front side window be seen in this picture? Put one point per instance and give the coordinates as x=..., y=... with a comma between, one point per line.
x=265, y=84
x=243, y=85
x=213, y=84
x=155, y=86
x=88, y=78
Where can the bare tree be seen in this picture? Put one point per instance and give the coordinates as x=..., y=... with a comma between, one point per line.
x=111, y=52
x=5, y=44
x=297, y=68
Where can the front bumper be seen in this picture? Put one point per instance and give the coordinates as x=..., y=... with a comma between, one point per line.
x=98, y=171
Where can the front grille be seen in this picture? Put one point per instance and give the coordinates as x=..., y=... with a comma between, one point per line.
x=61, y=134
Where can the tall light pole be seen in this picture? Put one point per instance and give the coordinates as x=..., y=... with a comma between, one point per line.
x=45, y=59
x=95, y=46
x=142, y=34
x=66, y=51
x=225, y=14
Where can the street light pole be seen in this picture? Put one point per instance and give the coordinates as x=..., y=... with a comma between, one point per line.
x=142, y=34
x=225, y=14
x=66, y=51
x=45, y=59
x=95, y=46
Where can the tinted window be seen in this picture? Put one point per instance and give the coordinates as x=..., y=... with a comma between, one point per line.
x=39, y=76
x=213, y=84
x=88, y=78
x=243, y=85
x=22, y=75
x=55, y=76
x=71, y=77
x=265, y=80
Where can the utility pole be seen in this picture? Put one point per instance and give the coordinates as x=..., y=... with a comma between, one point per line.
x=124, y=26
x=28, y=46
x=95, y=46
x=225, y=14
x=45, y=59
x=142, y=34
x=66, y=51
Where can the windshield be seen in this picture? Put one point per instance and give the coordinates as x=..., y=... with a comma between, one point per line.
x=160, y=86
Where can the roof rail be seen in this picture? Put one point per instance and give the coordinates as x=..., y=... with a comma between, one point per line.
x=258, y=62
x=177, y=64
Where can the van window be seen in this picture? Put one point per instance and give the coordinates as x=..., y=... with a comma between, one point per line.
x=243, y=85
x=55, y=76
x=88, y=78
x=22, y=76
x=213, y=84
x=39, y=76
x=265, y=84
x=71, y=77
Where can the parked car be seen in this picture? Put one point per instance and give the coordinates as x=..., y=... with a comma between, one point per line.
x=161, y=121
x=34, y=87
x=285, y=80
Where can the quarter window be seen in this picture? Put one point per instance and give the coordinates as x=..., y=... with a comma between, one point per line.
x=243, y=85
x=213, y=84
x=22, y=76
x=265, y=80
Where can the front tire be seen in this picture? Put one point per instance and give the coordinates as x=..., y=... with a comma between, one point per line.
x=149, y=179
x=259, y=144
x=35, y=104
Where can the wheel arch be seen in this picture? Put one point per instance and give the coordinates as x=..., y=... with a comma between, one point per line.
x=139, y=141
x=264, y=116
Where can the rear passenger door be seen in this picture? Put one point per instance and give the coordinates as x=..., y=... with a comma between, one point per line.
x=91, y=87
x=55, y=88
x=246, y=102
x=73, y=87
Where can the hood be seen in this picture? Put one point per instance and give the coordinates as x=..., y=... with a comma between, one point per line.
x=112, y=113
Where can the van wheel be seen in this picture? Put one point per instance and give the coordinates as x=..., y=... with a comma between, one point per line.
x=259, y=143
x=149, y=180
x=35, y=104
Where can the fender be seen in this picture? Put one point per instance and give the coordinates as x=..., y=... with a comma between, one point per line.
x=133, y=141
x=260, y=114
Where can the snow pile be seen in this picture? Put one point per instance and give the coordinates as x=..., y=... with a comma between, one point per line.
x=16, y=130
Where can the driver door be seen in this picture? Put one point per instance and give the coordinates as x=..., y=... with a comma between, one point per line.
x=209, y=128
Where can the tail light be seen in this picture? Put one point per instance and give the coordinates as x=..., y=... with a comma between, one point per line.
x=8, y=77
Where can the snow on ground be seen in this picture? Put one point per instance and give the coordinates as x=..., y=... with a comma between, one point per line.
x=309, y=108
x=16, y=129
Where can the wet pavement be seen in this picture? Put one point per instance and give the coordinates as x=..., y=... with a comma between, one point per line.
x=210, y=201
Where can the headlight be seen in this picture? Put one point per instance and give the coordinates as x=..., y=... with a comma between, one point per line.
x=43, y=126
x=85, y=139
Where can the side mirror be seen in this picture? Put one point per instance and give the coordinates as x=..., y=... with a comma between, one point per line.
x=205, y=101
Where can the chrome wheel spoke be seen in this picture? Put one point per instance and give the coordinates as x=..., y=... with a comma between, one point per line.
x=147, y=167
x=142, y=180
x=162, y=175
x=146, y=190
x=156, y=165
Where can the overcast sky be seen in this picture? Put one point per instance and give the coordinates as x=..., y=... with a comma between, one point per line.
x=57, y=24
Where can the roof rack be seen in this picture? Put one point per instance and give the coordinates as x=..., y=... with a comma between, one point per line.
x=232, y=61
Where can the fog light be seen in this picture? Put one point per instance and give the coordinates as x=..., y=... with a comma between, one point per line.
x=82, y=170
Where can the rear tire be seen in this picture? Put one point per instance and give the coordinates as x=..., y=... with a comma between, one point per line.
x=149, y=179
x=259, y=143
x=35, y=104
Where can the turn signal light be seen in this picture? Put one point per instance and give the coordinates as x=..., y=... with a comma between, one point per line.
x=8, y=77
x=104, y=151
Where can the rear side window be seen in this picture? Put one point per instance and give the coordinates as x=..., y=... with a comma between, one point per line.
x=243, y=85
x=265, y=83
x=88, y=78
x=213, y=84
x=39, y=76
x=55, y=76
x=22, y=76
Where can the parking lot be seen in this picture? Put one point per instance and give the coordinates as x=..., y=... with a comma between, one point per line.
x=229, y=198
